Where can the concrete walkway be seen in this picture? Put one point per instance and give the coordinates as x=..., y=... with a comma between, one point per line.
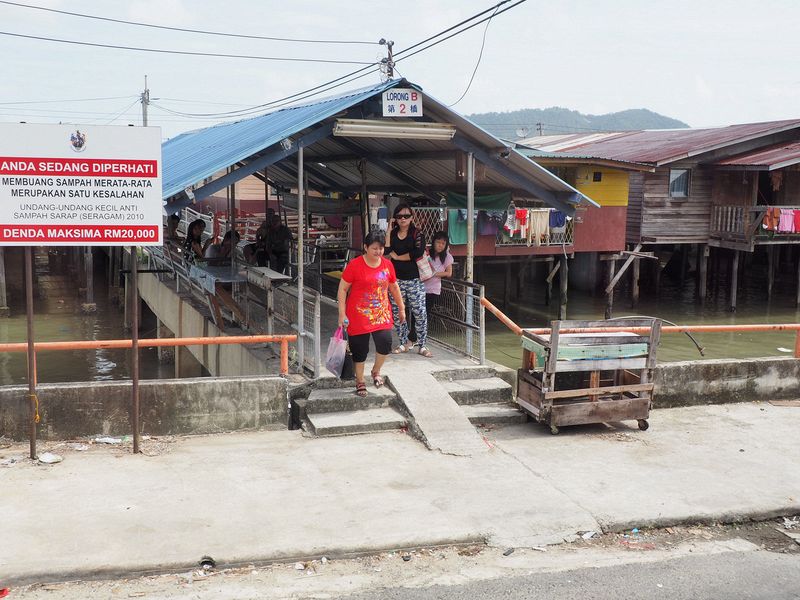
x=276, y=495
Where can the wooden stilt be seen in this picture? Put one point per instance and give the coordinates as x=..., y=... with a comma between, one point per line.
x=635, y=284
x=770, y=270
x=657, y=275
x=507, y=285
x=610, y=269
x=797, y=300
x=563, y=280
x=734, y=279
x=684, y=263
x=702, y=272
x=549, y=280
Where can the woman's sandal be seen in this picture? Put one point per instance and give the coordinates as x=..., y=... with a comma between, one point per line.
x=361, y=389
x=425, y=352
x=377, y=379
x=402, y=349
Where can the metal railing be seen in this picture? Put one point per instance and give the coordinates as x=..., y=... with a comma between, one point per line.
x=457, y=319
x=255, y=302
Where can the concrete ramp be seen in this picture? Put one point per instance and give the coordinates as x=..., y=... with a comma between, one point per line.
x=437, y=419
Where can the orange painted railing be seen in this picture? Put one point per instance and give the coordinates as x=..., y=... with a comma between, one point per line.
x=664, y=329
x=163, y=342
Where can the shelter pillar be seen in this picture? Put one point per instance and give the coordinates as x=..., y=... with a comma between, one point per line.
x=301, y=192
x=770, y=270
x=470, y=215
x=4, y=310
x=507, y=285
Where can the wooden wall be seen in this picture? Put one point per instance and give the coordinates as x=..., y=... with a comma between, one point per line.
x=789, y=194
x=735, y=188
x=667, y=220
x=634, y=214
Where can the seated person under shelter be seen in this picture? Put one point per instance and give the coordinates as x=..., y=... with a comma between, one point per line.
x=257, y=253
x=225, y=248
x=279, y=242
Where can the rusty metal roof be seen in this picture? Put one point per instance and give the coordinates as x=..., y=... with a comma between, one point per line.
x=765, y=159
x=661, y=146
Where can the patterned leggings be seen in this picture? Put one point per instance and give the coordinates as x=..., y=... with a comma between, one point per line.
x=413, y=291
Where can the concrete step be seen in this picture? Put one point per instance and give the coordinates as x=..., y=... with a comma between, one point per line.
x=350, y=422
x=495, y=413
x=479, y=391
x=339, y=399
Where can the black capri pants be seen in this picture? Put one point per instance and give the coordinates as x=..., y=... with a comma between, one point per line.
x=359, y=344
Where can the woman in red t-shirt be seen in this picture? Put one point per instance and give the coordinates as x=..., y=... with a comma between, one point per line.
x=364, y=307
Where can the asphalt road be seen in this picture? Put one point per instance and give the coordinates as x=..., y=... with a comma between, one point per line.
x=741, y=576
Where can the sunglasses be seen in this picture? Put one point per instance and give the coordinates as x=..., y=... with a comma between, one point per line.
x=403, y=216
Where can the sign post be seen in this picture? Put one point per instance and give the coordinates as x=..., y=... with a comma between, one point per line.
x=62, y=185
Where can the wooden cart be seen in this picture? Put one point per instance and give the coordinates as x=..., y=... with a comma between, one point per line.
x=580, y=378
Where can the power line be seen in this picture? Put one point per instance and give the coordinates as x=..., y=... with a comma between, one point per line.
x=186, y=30
x=185, y=52
x=67, y=101
x=328, y=85
x=480, y=56
x=122, y=112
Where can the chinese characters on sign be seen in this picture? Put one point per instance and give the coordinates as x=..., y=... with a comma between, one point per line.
x=65, y=185
x=401, y=102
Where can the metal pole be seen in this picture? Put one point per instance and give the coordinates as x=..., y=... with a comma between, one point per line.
x=32, y=399
x=470, y=216
x=482, y=333
x=300, y=239
x=145, y=102
x=135, y=348
x=365, y=225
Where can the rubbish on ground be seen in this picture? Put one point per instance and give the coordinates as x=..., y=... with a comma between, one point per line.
x=469, y=551
x=508, y=552
x=635, y=530
x=207, y=563
x=107, y=440
x=78, y=447
x=670, y=530
x=406, y=557
x=587, y=535
x=48, y=458
x=539, y=548
x=790, y=523
x=9, y=461
x=4, y=592
x=137, y=594
x=299, y=566
x=781, y=349
x=790, y=534
x=785, y=403
x=324, y=560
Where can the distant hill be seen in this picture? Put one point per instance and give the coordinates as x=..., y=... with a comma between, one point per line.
x=523, y=123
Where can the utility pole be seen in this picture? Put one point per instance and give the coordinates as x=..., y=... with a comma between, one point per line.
x=389, y=60
x=145, y=97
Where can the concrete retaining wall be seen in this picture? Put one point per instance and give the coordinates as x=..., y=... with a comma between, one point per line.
x=182, y=318
x=171, y=406
x=730, y=380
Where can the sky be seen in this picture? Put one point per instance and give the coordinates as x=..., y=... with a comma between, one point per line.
x=705, y=62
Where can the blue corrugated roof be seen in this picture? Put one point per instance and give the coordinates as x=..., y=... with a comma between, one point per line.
x=193, y=156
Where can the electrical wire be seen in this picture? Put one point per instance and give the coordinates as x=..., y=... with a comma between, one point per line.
x=186, y=52
x=122, y=112
x=67, y=101
x=305, y=94
x=186, y=30
x=480, y=56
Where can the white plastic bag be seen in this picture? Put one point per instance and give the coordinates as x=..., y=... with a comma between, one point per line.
x=337, y=351
x=425, y=267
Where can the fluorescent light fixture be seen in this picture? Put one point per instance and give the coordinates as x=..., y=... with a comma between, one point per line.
x=393, y=129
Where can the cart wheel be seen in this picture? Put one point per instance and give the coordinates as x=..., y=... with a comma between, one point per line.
x=643, y=424
x=553, y=429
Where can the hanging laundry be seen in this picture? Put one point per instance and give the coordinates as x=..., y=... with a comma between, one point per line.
x=457, y=226
x=539, y=231
x=557, y=218
x=521, y=222
x=797, y=221
x=510, y=219
x=485, y=225
x=786, y=221
x=771, y=219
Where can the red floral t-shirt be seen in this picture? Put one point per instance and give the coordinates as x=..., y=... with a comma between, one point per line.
x=367, y=306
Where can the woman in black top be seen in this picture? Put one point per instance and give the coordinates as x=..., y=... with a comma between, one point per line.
x=193, y=246
x=406, y=246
